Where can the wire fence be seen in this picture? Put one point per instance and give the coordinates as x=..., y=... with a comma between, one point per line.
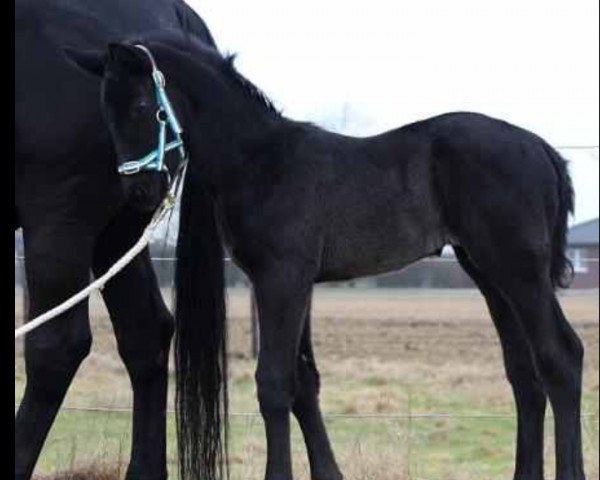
x=342, y=416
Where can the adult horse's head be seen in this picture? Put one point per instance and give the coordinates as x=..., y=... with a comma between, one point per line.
x=142, y=120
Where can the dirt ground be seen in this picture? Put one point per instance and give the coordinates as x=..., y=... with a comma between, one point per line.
x=382, y=352
x=426, y=336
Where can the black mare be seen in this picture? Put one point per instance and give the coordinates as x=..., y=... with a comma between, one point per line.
x=71, y=205
x=297, y=205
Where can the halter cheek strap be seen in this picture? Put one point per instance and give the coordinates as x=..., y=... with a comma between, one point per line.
x=165, y=116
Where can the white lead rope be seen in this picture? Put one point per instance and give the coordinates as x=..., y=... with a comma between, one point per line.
x=166, y=205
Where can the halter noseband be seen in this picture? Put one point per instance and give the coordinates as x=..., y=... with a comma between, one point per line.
x=165, y=116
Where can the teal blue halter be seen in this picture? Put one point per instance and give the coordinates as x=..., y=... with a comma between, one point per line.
x=165, y=116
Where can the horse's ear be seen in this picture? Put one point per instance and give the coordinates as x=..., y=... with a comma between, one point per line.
x=129, y=57
x=92, y=61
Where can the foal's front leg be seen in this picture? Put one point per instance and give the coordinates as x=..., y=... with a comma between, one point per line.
x=282, y=301
x=308, y=412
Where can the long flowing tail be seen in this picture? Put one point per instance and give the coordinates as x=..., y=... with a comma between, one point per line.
x=200, y=339
x=561, y=268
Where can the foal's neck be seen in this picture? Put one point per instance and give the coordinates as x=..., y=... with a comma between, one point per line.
x=228, y=123
x=227, y=131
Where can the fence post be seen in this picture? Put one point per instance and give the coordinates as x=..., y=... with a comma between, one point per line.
x=254, y=324
x=25, y=291
x=25, y=302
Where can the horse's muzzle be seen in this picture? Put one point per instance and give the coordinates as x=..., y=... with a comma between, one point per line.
x=145, y=190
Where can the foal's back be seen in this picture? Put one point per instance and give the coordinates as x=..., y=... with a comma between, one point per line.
x=391, y=199
x=380, y=207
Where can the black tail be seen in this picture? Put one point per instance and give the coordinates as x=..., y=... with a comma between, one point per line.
x=200, y=339
x=561, y=268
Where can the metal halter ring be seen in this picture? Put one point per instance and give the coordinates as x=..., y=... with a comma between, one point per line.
x=161, y=116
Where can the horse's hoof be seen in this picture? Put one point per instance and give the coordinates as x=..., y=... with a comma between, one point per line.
x=335, y=476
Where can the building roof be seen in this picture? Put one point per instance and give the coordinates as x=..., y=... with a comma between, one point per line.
x=585, y=233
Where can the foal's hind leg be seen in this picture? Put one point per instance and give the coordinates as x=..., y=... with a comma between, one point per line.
x=57, y=262
x=306, y=409
x=528, y=391
x=143, y=327
x=559, y=357
x=522, y=276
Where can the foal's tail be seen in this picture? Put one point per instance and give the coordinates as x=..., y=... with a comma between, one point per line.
x=561, y=268
x=200, y=339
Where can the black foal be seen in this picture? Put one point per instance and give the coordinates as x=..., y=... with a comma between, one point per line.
x=296, y=205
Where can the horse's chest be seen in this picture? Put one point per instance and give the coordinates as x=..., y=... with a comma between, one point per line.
x=258, y=235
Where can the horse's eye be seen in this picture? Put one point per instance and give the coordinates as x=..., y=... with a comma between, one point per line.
x=140, y=107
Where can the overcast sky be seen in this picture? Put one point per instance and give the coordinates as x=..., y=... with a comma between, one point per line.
x=366, y=66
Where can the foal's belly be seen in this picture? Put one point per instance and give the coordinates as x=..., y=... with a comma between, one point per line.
x=389, y=243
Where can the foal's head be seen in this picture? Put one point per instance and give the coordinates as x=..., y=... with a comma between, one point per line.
x=208, y=94
x=142, y=114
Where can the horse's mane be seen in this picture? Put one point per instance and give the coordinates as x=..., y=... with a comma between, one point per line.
x=251, y=90
x=189, y=42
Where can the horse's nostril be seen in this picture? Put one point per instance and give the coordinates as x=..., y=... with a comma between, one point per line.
x=144, y=191
x=139, y=191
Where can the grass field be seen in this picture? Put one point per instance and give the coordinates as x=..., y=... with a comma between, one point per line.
x=386, y=357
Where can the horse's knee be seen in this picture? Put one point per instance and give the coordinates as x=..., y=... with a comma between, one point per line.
x=275, y=391
x=146, y=356
x=527, y=385
x=560, y=363
x=62, y=354
x=54, y=352
x=520, y=368
x=51, y=362
x=56, y=265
